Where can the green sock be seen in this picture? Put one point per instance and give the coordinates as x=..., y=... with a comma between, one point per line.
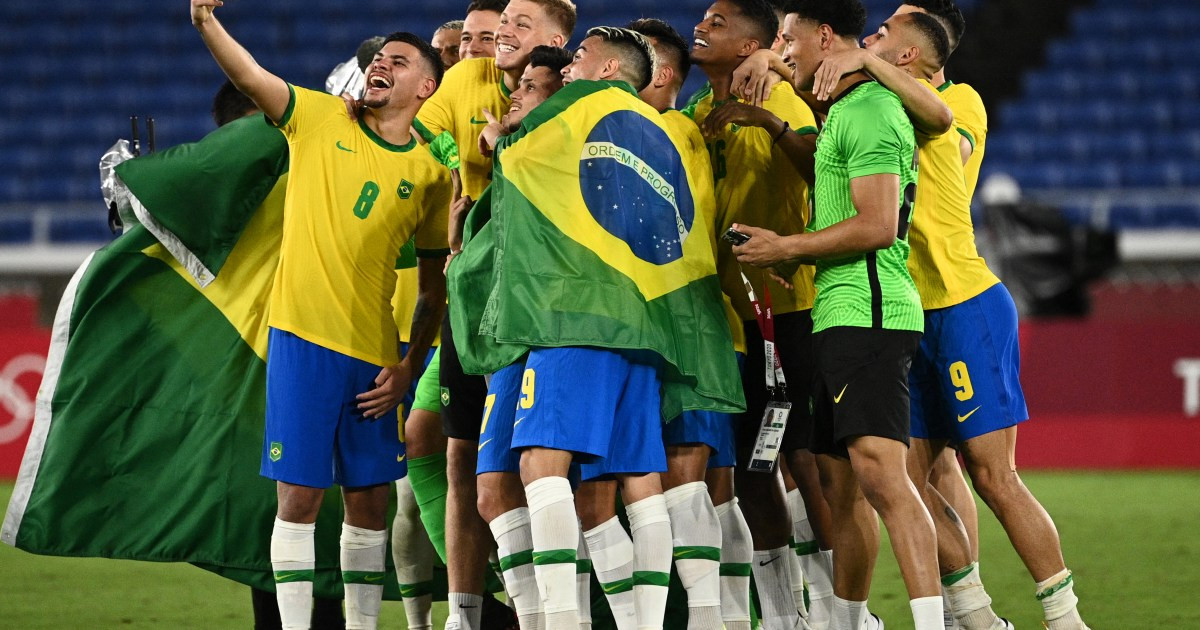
x=429, y=485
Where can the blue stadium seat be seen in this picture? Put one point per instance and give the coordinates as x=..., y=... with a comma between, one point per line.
x=15, y=229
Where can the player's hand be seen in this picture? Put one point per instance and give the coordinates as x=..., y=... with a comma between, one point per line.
x=733, y=113
x=784, y=272
x=754, y=78
x=203, y=9
x=764, y=248
x=834, y=67
x=353, y=105
x=490, y=134
x=459, y=210
x=391, y=384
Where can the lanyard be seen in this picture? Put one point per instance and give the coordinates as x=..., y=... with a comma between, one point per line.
x=776, y=382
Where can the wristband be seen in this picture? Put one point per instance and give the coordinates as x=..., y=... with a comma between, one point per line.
x=786, y=126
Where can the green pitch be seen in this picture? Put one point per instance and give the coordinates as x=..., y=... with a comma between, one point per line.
x=1128, y=537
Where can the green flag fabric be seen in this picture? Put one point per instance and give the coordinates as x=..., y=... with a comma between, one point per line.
x=592, y=234
x=148, y=430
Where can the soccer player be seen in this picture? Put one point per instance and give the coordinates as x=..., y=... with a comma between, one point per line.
x=614, y=54
x=458, y=108
x=756, y=184
x=446, y=42
x=322, y=427
x=700, y=451
x=501, y=496
x=867, y=316
x=478, y=37
x=965, y=382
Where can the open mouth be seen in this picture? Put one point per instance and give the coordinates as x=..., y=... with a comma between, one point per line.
x=506, y=48
x=379, y=81
x=700, y=42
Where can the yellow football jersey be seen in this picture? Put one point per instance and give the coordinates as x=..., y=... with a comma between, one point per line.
x=970, y=117
x=686, y=133
x=944, y=263
x=457, y=107
x=757, y=185
x=353, y=200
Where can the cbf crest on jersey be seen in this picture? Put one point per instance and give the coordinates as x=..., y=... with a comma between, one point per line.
x=595, y=238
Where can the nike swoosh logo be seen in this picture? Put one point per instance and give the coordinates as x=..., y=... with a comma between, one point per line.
x=837, y=399
x=484, y=443
x=969, y=414
x=373, y=578
x=766, y=562
x=399, y=458
x=338, y=144
x=519, y=421
x=478, y=122
x=466, y=606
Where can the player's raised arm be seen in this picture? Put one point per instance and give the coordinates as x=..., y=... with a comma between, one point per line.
x=268, y=91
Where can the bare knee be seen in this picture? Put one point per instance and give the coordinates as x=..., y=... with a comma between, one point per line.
x=496, y=497
x=298, y=504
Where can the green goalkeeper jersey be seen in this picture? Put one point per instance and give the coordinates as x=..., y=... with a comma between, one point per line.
x=866, y=133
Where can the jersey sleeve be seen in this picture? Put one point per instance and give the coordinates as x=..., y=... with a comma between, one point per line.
x=870, y=137
x=442, y=145
x=970, y=116
x=306, y=108
x=432, y=239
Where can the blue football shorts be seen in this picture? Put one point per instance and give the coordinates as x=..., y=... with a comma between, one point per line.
x=964, y=379
x=315, y=435
x=716, y=430
x=592, y=402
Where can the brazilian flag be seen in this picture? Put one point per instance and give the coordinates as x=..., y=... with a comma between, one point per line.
x=593, y=233
x=149, y=422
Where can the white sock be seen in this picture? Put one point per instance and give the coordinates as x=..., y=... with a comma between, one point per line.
x=466, y=609
x=294, y=561
x=612, y=558
x=847, y=615
x=583, y=584
x=774, y=581
x=1059, y=602
x=737, y=551
x=514, y=545
x=969, y=601
x=818, y=569
x=413, y=554
x=795, y=503
x=555, y=538
x=363, y=572
x=927, y=613
x=650, y=526
x=696, y=536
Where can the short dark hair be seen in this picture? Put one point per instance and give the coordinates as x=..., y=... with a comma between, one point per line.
x=847, y=18
x=366, y=51
x=633, y=50
x=947, y=13
x=428, y=52
x=669, y=40
x=932, y=30
x=551, y=57
x=495, y=6
x=229, y=104
x=763, y=18
x=562, y=13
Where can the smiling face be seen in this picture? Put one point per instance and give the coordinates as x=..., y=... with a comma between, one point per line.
x=478, y=37
x=396, y=76
x=523, y=26
x=721, y=37
x=803, y=48
x=537, y=84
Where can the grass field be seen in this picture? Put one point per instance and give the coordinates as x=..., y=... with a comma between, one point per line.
x=1124, y=535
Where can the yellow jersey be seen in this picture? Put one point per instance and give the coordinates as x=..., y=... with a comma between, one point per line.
x=353, y=200
x=457, y=107
x=757, y=185
x=687, y=134
x=944, y=263
x=970, y=117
